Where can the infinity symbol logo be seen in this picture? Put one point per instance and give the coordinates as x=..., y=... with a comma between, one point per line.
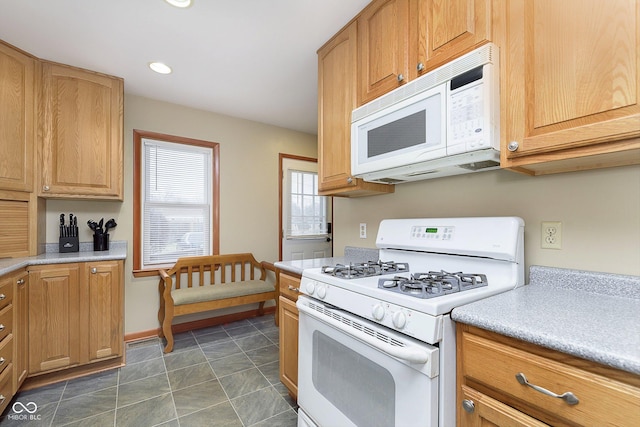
x=19, y=408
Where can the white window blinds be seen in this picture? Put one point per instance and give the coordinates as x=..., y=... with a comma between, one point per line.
x=307, y=210
x=176, y=205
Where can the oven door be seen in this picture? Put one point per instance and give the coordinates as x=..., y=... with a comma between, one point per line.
x=353, y=372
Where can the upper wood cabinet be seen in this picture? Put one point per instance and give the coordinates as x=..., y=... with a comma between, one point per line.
x=383, y=56
x=17, y=118
x=337, y=79
x=81, y=134
x=442, y=30
x=569, y=85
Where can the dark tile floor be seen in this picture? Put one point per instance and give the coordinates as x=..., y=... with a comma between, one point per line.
x=225, y=375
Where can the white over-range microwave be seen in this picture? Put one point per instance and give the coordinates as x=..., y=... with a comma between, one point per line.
x=446, y=122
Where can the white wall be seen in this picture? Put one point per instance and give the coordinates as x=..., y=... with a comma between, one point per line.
x=599, y=210
x=248, y=190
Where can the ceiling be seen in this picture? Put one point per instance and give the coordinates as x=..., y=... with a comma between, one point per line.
x=253, y=59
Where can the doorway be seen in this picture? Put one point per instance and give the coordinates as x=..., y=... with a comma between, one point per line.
x=305, y=217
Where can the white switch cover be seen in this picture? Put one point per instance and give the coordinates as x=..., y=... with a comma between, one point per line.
x=363, y=230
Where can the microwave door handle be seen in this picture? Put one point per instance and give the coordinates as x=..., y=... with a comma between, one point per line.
x=410, y=354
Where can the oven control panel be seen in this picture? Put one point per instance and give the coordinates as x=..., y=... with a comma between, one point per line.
x=432, y=232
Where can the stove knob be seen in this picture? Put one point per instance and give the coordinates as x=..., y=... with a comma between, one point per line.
x=378, y=312
x=399, y=319
x=310, y=288
x=322, y=291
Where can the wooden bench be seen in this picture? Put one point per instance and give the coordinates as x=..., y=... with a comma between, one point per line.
x=204, y=283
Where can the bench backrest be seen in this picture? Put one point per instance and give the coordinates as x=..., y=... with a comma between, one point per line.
x=214, y=269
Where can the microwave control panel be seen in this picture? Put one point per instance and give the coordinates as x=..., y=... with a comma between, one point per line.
x=466, y=120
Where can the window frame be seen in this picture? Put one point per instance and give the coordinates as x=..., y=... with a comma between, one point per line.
x=138, y=193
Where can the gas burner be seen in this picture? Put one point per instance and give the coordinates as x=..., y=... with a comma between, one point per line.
x=365, y=269
x=433, y=283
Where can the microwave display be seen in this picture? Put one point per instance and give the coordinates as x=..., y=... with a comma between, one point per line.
x=405, y=132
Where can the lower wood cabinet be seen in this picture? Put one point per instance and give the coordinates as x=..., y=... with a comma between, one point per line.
x=490, y=392
x=13, y=335
x=75, y=314
x=288, y=322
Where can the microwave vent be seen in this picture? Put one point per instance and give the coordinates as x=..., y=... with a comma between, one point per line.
x=476, y=166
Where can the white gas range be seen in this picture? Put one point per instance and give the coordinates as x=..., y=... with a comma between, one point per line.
x=393, y=313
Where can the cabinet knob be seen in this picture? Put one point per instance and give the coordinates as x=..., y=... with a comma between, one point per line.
x=45, y=188
x=349, y=180
x=2, y=360
x=420, y=67
x=2, y=296
x=468, y=405
x=400, y=78
x=513, y=146
x=19, y=282
x=94, y=270
x=1, y=327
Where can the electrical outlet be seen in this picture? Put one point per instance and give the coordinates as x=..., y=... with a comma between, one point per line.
x=363, y=230
x=551, y=235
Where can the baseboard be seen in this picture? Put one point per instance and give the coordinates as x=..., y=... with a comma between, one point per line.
x=200, y=324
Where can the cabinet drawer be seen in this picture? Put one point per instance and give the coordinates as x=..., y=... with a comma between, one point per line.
x=289, y=286
x=6, y=293
x=6, y=352
x=6, y=321
x=602, y=401
x=6, y=387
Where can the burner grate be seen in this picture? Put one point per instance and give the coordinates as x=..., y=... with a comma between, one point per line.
x=433, y=284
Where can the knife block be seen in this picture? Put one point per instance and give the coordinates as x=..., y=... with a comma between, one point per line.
x=101, y=242
x=69, y=244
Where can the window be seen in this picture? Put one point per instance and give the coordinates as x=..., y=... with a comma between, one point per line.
x=176, y=199
x=307, y=210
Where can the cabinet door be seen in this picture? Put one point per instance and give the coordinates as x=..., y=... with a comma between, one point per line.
x=336, y=101
x=478, y=410
x=289, y=345
x=445, y=29
x=21, y=328
x=54, y=319
x=17, y=103
x=570, y=85
x=383, y=35
x=102, y=294
x=81, y=130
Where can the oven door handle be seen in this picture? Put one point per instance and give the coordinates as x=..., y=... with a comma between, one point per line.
x=409, y=354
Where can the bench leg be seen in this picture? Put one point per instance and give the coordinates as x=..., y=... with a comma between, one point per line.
x=261, y=308
x=166, y=328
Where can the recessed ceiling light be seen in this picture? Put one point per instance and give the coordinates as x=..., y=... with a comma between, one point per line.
x=160, y=68
x=179, y=3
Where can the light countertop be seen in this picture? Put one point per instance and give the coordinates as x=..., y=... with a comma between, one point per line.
x=594, y=316
x=117, y=251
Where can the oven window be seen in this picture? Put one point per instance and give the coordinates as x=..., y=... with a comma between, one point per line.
x=405, y=132
x=361, y=389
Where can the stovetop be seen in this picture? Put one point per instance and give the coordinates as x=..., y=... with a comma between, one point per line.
x=425, y=285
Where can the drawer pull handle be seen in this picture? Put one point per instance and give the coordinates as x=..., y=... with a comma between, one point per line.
x=2, y=296
x=1, y=327
x=568, y=397
x=2, y=360
x=20, y=282
x=2, y=398
x=291, y=288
